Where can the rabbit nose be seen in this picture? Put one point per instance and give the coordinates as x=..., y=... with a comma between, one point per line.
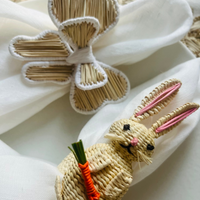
x=134, y=142
x=150, y=147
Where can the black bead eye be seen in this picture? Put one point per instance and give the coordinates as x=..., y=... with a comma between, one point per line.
x=150, y=147
x=126, y=127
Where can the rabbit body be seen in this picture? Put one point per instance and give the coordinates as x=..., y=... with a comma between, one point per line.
x=111, y=164
x=111, y=172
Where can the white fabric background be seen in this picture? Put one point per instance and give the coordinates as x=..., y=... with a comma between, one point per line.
x=24, y=178
x=144, y=27
x=195, y=5
x=27, y=178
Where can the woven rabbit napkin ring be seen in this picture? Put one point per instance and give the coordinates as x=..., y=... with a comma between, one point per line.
x=104, y=171
x=66, y=55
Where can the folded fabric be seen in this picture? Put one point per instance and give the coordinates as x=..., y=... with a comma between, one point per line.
x=25, y=178
x=143, y=28
x=195, y=5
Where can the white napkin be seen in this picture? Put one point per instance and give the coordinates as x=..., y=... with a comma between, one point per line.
x=195, y=5
x=29, y=179
x=25, y=178
x=144, y=27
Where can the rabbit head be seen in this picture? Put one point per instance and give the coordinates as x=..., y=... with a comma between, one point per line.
x=135, y=137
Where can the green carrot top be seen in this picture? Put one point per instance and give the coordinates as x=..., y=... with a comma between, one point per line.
x=78, y=151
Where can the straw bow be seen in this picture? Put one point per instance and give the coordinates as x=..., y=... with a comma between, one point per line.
x=66, y=55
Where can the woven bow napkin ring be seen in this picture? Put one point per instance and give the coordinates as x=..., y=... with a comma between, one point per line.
x=66, y=55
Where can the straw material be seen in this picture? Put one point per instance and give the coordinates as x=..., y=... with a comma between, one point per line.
x=139, y=131
x=192, y=39
x=171, y=115
x=80, y=34
x=58, y=188
x=104, y=10
x=89, y=100
x=50, y=45
x=79, y=23
x=116, y=174
x=148, y=99
x=101, y=164
x=58, y=73
x=90, y=75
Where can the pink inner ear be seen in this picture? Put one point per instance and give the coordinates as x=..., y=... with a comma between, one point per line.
x=175, y=120
x=159, y=98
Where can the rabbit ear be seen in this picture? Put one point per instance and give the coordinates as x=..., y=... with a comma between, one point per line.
x=158, y=99
x=173, y=119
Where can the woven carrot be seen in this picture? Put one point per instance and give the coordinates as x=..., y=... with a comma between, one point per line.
x=79, y=153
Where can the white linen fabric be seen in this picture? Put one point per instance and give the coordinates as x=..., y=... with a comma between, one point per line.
x=25, y=178
x=195, y=5
x=143, y=28
x=33, y=179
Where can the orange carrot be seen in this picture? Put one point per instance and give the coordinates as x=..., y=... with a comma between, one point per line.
x=79, y=153
x=91, y=191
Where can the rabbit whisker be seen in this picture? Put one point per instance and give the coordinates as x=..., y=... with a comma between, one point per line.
x=138, y=158
x=145, y=158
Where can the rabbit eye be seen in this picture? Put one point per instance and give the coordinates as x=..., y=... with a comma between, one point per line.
x=126, y=127
x=150, y=147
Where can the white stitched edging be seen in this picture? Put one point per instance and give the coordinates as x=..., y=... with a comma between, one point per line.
x=52, y=16
x=77, y=78
x=92, y=20
x=39, y=36
x=72, y=92
x=43, y=65
x=57, y=22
